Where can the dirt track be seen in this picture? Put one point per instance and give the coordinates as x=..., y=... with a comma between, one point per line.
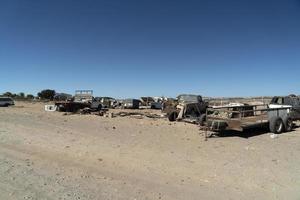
x=46, y=155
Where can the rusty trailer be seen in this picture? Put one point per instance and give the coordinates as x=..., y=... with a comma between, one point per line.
x=240, y=118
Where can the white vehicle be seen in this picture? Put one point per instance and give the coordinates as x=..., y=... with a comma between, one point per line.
x=6, y=101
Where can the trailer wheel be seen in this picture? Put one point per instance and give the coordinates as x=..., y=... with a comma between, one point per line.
x=276, y=125
x=173, y=116
x=59, y=108
x=288, y=124
x=202, y=119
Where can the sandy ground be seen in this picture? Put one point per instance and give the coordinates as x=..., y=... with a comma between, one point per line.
x=47, y=155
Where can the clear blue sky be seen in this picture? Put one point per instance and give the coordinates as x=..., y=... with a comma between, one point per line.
x=132, y=48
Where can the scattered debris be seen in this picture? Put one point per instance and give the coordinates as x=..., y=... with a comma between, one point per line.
x=85, y=111
x=50, y=108
x=111, y=115
x=187, y=106
x=138, y=115
x=82, y=99
x=273, y=136
x=101, y=113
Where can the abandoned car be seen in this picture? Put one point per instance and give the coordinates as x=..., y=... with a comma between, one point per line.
x=82, y=99
x=286, y=101
x=187, y=107
x=6, y=101
x=107, y=102
x=150, y=102
x=131, y=103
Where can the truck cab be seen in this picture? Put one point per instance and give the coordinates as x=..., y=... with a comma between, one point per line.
x=286, y=101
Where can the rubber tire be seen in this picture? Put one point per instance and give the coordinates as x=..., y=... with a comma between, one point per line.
x=276, y=125
x=288, y=124
x=173, y=116
x=202, y=119
x=60, y=108
x=99, y=107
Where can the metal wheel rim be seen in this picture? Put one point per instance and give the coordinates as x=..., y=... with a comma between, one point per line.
x=278, y=126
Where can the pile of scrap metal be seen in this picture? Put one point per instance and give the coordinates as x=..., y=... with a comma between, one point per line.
x=138, y=115
x=107, y=102
x=86, y=111
x=221, y=113
x=187, y=107
x=82, y=101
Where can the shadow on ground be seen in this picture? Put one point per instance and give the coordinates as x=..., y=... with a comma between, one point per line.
x=246, y=133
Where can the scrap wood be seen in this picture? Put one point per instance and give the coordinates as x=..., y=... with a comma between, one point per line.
x=138, y=115
x=190, y=120
x=85, y=111
x=50, y=108
x=151, y=115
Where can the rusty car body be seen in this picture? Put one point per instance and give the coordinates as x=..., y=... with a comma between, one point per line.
x=187, y=107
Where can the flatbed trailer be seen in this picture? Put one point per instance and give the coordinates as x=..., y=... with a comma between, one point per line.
x=240, y=118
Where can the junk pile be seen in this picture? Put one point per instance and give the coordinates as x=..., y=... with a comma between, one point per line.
x=136, y=115
x=220, y=114
x=82, y=100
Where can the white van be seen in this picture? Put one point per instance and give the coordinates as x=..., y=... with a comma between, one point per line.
x=6, y=101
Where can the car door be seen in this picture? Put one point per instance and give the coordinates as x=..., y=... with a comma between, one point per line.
x=295, y=111
x=296, y=107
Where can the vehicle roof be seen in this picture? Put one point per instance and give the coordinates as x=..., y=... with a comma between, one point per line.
x=106, y=97
x=131, y=100
x=285, y=96
x=147, y=98
x=6, y=97
x=196, y=95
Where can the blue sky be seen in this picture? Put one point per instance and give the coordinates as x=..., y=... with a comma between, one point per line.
x=134, y=48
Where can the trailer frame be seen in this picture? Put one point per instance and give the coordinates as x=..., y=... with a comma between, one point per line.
x=240, y=118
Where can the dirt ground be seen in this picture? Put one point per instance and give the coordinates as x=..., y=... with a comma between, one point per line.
x=48, y=155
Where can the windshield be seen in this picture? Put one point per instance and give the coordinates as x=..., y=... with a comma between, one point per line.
x=5, y=99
